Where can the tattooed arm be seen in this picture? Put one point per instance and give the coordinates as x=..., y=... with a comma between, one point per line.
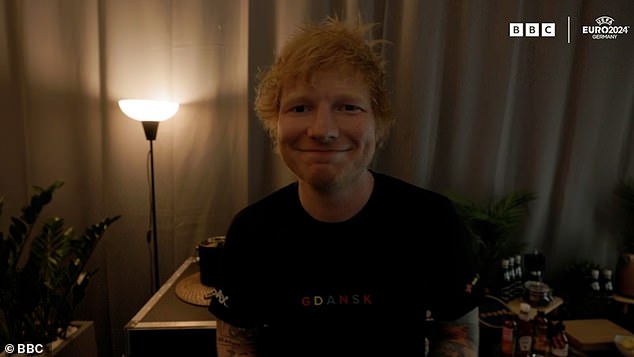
x=459, y=338
x=232, y=341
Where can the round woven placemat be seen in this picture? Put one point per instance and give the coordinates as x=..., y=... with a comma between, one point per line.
x=192, y=291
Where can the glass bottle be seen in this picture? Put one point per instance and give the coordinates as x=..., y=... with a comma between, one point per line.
x=524, y=331
x=607, y=282
x=559, y=341
x=519, y=271
x=505, y=284
x=535, y=264
x=519, y=277
x=509, y=330
x=541, y=336
x=595, y=285
x=512, y=269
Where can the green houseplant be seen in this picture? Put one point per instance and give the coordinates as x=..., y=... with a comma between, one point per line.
x=624, y=192
x=493, y=225
x=42, y=276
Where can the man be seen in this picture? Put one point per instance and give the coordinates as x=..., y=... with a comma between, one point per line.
x=330, y=265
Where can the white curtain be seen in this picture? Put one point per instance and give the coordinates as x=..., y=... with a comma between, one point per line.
x=479, y=113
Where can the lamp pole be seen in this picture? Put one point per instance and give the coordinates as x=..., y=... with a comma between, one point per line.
x=157, y=280
x=150, y=128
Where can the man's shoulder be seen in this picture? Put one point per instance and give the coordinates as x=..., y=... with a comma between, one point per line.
x=271, y=204
x=396, y=188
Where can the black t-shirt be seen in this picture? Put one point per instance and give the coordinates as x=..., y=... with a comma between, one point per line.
x=352, y=287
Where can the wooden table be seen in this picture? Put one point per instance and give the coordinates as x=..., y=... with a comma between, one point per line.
x=594, y=337
x=514, y=305
x=626, y=301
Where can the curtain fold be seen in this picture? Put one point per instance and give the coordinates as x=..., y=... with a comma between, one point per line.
x=479, y=113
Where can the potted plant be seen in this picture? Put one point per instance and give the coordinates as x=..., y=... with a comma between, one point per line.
x=493, y=224
x=624, y=192
x=42, y=272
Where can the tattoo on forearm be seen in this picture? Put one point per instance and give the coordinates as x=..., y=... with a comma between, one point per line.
x=234, y=341
x=454, y=349
x=459, y=338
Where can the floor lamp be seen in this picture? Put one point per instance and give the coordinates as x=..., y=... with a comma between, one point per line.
x=150, y=113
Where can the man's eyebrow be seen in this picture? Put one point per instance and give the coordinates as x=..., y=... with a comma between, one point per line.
x=350, y=96
x=293, y=98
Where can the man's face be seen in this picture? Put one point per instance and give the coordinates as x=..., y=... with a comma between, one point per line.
x=326, y=129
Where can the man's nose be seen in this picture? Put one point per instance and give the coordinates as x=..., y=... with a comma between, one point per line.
x=323, y=126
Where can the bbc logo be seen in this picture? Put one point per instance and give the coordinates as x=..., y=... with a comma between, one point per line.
x=531, y=29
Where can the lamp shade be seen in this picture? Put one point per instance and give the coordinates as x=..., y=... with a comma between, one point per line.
x=148, y=110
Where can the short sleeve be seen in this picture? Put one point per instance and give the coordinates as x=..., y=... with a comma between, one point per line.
x=235, y=298
x=455, y=279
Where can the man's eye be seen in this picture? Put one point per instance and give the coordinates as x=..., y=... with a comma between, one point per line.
x=299, y=109
x=349, y=108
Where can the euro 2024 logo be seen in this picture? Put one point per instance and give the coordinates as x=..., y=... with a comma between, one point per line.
x=604, y=29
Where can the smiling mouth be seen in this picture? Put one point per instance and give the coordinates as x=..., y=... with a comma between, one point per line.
x=323, y=150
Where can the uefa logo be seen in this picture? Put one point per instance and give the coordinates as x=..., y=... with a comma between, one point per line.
x=531, y=29
x=604, y=20
x=605, y=29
